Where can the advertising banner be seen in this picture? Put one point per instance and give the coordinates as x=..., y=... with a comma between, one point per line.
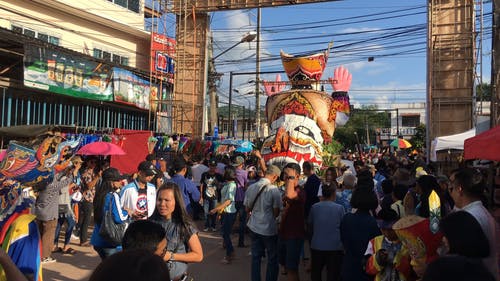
x=59, y=72
x=163, y=54
x=131, y=89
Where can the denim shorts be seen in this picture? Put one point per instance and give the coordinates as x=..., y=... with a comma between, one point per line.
x=289, y=252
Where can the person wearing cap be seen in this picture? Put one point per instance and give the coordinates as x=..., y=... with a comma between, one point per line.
x=140, y=195
x=46, y=211
x=388, y=259
x=211, y=183
x=187, y=187
x=66, y=213
x=241, y=186
x=107, y=198
x=263, y=202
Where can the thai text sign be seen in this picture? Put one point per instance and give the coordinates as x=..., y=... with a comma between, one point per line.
x=163, y=55
x=60, y=72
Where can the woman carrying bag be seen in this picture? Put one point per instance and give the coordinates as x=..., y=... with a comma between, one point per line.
x=107, y=198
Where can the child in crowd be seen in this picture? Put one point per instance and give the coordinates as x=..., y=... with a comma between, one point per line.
x=398, y=194
x=388, y=259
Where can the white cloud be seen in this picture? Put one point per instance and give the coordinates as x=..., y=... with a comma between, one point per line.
x=358, y=29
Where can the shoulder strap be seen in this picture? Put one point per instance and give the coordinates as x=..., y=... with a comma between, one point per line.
x=257, y=197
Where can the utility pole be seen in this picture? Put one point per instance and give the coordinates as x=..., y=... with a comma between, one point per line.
x=495, y=66
x=257, y=76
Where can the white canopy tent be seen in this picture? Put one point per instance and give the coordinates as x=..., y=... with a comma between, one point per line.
x=450, y=142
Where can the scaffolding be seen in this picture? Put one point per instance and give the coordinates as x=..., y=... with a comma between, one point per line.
x=451, y=67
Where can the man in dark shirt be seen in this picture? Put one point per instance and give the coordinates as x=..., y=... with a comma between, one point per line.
x=292, y=229
x=211, y=182
x=186, y=186
x=311, y=186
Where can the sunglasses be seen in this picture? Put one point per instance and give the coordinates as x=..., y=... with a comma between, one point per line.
x=289, y=177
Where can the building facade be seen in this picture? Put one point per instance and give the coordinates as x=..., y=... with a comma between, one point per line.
x=84, y=63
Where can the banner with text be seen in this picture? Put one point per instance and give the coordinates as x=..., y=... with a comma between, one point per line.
x=163, y=54
x=60, y=72
x=131, y=89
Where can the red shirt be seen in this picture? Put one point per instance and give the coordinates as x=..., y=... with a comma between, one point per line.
x=292, y=221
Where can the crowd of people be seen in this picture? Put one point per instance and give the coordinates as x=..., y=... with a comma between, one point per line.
x=341, y=219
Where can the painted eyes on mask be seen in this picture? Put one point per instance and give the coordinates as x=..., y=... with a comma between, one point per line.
x=305, y=131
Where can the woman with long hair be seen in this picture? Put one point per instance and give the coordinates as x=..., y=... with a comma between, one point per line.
x=184, y=245
x=229, y=216
x=107, y=197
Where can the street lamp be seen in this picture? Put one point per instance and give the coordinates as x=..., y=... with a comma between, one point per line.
x=248, y=37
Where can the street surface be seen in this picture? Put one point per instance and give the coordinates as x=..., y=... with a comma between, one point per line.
x=81, y=265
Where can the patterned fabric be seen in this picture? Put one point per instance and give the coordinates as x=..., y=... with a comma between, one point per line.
x=344, y=198
x=22, y=244
x=88, y=177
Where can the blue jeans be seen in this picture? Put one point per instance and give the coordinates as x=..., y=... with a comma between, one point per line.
x=240, y=209
x=69, y=229
x=209, y=204
x=227, y=226
x=106, y=252
x=261, y=243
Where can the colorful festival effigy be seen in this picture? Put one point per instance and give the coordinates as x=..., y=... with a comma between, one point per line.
x=304, y=118
x=27, y=167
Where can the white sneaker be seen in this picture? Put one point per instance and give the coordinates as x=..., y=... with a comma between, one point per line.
x=205, y=229
x=213, y=229
x=74, y=237
x=48, y=260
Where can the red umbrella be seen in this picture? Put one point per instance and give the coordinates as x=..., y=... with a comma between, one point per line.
x=101, y=148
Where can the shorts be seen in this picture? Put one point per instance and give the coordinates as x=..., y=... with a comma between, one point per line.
x=289, y=251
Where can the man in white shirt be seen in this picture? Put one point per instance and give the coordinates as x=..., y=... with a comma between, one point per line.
x=263, y=202
x=140, y=194
x=466, y=188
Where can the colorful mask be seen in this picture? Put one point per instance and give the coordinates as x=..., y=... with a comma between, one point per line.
x=303, y=118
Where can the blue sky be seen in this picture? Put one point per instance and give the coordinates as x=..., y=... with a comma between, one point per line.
x=392, y=32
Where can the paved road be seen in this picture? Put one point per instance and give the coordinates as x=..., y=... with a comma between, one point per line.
x=81, y=265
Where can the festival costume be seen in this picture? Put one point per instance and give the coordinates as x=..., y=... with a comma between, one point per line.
x=22, y=244
x=398, y=267
x=303, y=118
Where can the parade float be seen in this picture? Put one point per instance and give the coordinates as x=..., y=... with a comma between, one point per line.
x=304, y=118
x=26, y=168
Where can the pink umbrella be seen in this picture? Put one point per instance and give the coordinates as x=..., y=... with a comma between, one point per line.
x=101, y=148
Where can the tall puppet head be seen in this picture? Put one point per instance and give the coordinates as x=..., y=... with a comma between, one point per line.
x=303, y=118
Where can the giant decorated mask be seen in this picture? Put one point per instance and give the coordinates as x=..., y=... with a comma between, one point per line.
x=24, y=167
x=303, y=118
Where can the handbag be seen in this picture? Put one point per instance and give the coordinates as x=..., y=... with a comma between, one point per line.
x=63, y=209
x=111, y=231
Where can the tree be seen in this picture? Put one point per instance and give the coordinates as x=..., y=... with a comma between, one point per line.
x=418, y=140
x=483, y=92
x=367, y=117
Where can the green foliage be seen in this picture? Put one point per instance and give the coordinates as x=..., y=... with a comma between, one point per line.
x=483, y=92
x=418, y=140
x=361, y=119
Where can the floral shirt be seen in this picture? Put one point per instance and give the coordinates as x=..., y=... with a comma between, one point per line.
x=89, y=183
x=343, y=198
